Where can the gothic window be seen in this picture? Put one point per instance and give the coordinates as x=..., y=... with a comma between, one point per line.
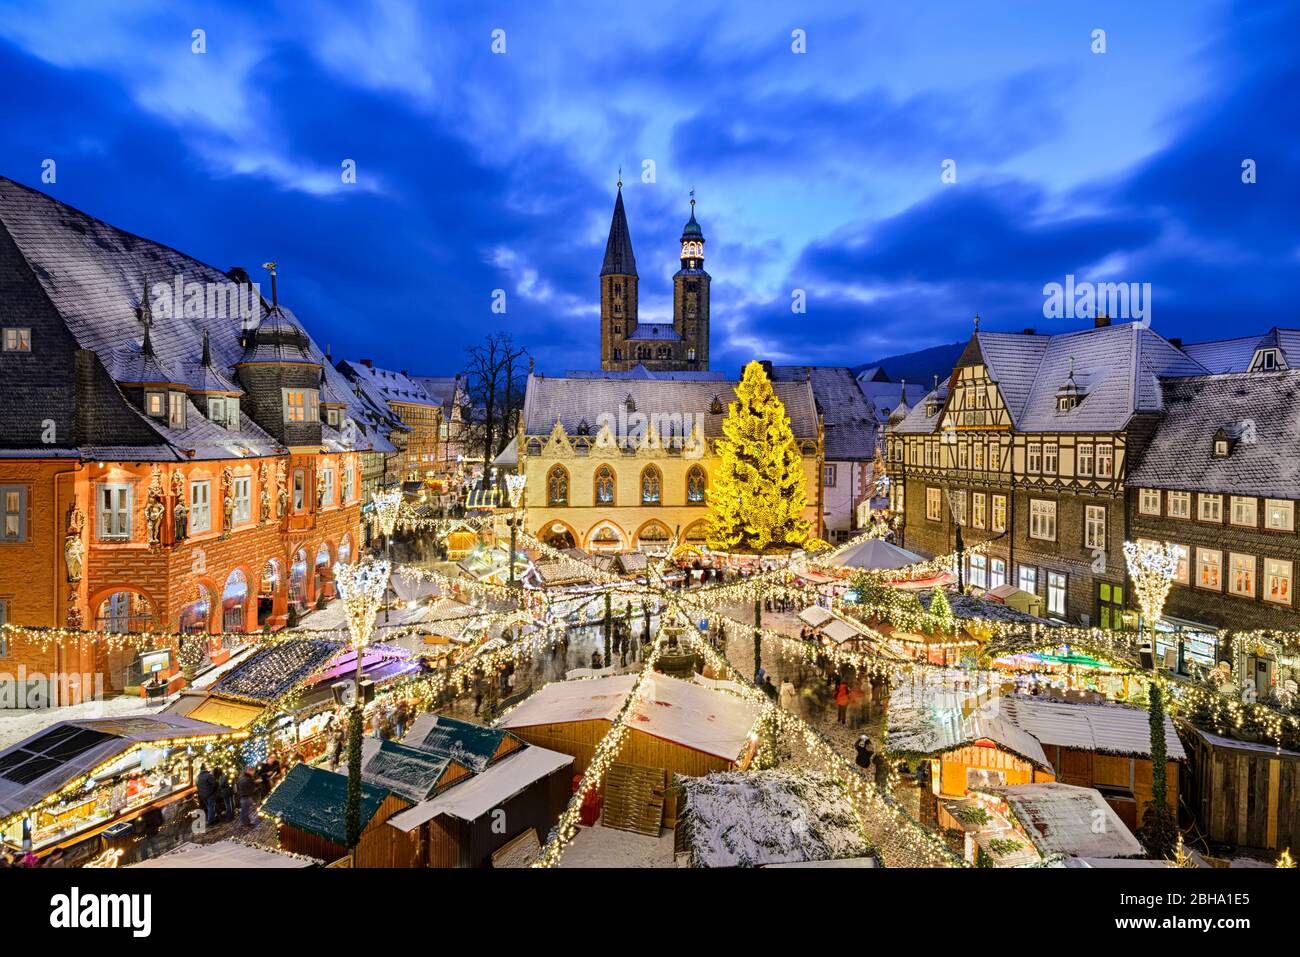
x=604, y=485
x=557, y=486
x=690, y=354
x=651, y=486
x=643, y=352
x=664, y=352
x=695, y=485
x=618, y=353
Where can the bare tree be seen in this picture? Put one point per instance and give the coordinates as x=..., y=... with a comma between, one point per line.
x=494, y=390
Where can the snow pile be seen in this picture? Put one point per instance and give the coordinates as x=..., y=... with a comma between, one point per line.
x=740, y=819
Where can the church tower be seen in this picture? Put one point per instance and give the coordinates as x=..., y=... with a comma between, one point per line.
x=691, y=298
x=618, y=293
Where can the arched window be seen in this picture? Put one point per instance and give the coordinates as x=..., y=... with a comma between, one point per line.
x=125, y=611
x=345, y=549
x=604, y=485
x=652, y=484
x=233, y=598
x=557, y=486
x=654, y=537
x=695, y=485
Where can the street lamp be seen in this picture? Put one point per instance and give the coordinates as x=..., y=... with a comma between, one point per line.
x=515, y=490
x=361, y=586
x=388, y=505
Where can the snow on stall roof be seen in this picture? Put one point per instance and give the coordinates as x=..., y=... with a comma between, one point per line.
x=473, y=797
x=472, y=745
x=408, y=772
x=679, y=711
x=925, y=730
x=1108, y=728
x=815, y=616
x=228, y=854
x=1112, y=862
x=1063, y=819
x=752, y=819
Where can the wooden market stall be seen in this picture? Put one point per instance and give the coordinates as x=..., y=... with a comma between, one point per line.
x=1244, y=793
x=679, y=726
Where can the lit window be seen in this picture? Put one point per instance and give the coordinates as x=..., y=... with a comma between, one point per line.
x=300, y=405
x=933, y=504
x=1182, y=561
x=1042, y=520
x=1279, y=514
x=978, y=518
x=979, y=571
x=1241, y=575
x=1277, y=581
x=1105, y=461
x=176, y=409
x=1056, y=593
x=18, y=340
x=1209, y=566
x=1028, y=579
x=997, y=572
x=156, y=404
x=1094, y=526
x=995, y=456
x=999, y=513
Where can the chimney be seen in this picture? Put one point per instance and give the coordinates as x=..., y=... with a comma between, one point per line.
x=1030, y=332
x=368, y=363
x=1176, y=342
x=1101, y=322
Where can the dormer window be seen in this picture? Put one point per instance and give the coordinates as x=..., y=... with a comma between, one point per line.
x=1267, y=360
x=300, y=405
x=332, y=417
x=155, y=404
x=176, y=410
x=1222, y=444
x=716, y=407
x=1064, y=403
x=629, y=403
x=932, y=407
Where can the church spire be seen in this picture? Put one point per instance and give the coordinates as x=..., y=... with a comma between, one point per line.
x=619, y=260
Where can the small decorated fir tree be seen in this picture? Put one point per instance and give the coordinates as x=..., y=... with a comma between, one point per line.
x=758, y=495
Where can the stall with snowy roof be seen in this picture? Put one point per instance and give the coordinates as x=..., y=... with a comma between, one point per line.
x=681, y=727
x=766, y=818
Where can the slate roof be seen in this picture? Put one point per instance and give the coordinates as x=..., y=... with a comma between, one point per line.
x=619, y=260
x=639, y=371
x=95, y=276
x=1265, y=458
x=884, y=396
x=314, y=800
x=918, y=420
x=654, y=332
x=1235, y=355
x=849, y=420
x=574, y=401
x=1118, y=366
x=446, y=390
x=391, y=386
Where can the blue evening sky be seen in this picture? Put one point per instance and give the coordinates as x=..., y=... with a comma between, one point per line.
x=818, y=171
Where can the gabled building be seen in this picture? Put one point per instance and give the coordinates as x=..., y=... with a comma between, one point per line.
x=418, y=440
x=176, y=453
x=1219, y=480
x=617, y=465
x=1027, y=448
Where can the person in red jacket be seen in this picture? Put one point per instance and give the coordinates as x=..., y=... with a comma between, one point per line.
x=842, y=701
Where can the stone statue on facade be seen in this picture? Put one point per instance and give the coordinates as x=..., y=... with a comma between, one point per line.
x=154, y=509
x=74, y=549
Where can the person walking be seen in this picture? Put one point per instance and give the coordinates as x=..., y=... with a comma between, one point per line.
x=246, y=790
x=206, y=787
x=225, y=797
x=842, y=702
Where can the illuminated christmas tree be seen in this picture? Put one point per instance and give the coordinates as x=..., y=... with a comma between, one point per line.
x=757, y=497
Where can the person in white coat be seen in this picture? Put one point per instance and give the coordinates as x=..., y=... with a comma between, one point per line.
x=788, y=695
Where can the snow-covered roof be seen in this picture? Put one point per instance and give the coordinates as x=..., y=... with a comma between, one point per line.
x=874, y=554
x=815, y=616
x=473, y=797
x=921, y=730
x=1107, y=728
x=848, y=418
x=679, y=711
x=227, y=854
x=752, y=819
x=1065, y=819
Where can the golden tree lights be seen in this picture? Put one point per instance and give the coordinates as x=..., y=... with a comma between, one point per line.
x=1152, y=567
x=361, y=587
x=388, y=506
x=758, y=493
